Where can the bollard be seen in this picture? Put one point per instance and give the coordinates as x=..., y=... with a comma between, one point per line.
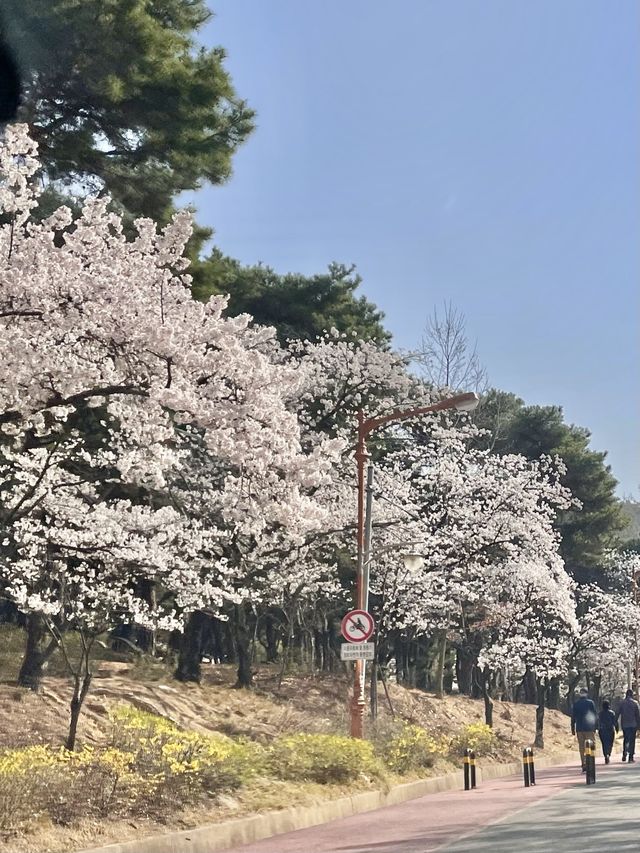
x=467, y=768
x=526, y=766
x=587, y=761
x=590, y=761
x=532, y=767
x=472, y=762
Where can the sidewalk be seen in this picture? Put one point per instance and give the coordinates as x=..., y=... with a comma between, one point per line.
x=425, y=824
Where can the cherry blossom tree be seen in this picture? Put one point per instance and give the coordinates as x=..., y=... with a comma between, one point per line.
x=483, y=522
x=605, y=652
x=93, y=321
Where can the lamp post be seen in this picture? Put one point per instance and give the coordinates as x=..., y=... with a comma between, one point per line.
x=635, y=589
x=463, y=403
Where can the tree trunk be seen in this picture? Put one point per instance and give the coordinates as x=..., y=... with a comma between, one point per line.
x=488, y=709
x=553, y=694
x=80, y=690
x=313, y=651
x=401, y=672
x=271, y=636
x=466, y=659
x=324, y=644
x=231, y=655
x=412, y=662
x=485, y=676
x=188, y=668
x=37, y=653
x=243, y=643
x=217, y=641
x=539, y=741
x=571, y=686
x=423, y=664
x=447, y=678
x=440, y=661
x=174, y=641
x=529, y=687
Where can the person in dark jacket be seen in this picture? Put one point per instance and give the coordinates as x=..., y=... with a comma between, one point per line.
x=584, y=719
x=607, y=728
x=629, y=716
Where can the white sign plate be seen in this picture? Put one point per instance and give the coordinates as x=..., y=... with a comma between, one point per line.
x=357, y=651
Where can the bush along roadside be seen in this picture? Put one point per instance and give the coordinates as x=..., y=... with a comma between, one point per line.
x=150, y=764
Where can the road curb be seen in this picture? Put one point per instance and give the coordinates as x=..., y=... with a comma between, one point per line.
x=231, y=833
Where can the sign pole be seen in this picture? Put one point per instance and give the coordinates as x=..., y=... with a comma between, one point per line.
x=358, y=701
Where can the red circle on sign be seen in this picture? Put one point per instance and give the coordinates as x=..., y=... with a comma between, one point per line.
x=357, y=626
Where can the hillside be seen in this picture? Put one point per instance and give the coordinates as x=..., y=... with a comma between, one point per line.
x=312, y=704
x=301, y=704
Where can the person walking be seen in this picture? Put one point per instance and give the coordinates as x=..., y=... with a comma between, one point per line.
x=584, y=719
x=629, y=716
x=607, y=728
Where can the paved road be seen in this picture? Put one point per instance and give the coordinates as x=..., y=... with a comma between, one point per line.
x=602, y=817
x=502, y=815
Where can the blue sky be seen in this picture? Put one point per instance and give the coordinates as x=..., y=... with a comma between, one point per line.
x=479, y=151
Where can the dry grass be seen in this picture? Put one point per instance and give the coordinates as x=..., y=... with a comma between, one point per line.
x=306, y=704
x=268, y=795
x=316, y=704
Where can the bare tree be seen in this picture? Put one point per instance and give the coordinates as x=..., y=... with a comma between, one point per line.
x=445, y=355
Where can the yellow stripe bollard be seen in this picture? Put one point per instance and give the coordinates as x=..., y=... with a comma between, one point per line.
x=590, y=761
x=532, y=767
x=528, y=767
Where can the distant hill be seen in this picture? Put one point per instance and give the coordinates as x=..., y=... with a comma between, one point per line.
x=632, y=510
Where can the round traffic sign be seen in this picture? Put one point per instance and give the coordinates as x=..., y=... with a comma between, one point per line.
x=357, y=626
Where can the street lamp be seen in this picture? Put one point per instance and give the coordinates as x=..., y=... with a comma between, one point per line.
x=413, y=562
x=463, y=403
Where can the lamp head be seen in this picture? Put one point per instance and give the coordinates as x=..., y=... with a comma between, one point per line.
x=413, y=562
x=467, y=402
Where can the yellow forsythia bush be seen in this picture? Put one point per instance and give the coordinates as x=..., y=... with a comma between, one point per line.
x=477, y=736
x=183, y=762
x=149, y=763
x=64, y=785
x=322, y=758
x=410, y=747
x=23, y=776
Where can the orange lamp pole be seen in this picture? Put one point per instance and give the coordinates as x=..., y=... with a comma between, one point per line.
x=635, y=587
x=462, y=402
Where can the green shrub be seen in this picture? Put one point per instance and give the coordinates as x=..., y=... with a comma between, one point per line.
x=408, y=748
x=477, y=736
x=323, y=758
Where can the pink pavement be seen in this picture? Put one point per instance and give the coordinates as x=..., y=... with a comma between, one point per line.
x=424, y=824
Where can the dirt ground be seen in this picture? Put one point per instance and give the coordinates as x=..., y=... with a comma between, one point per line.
x=301, y=703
